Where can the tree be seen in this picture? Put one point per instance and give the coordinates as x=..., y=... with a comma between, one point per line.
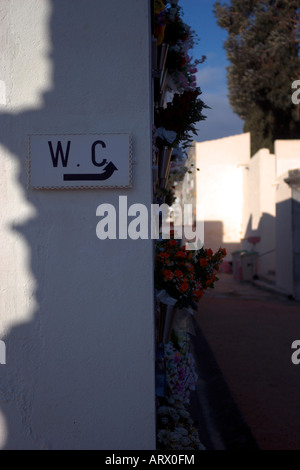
x=263, y=50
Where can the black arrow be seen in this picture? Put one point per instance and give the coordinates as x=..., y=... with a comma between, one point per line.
x=109, y=170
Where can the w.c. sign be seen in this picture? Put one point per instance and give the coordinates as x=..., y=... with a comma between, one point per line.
x=80, y=161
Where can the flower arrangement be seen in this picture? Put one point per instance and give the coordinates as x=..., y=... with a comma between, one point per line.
x=177, y=173
x=185, y=274
x=178, y=170
x=177, y=120
x=181, y=39
x=181, y=373
x=159, y=21
x=180, y=274
x=177, y=31
x=175, y=427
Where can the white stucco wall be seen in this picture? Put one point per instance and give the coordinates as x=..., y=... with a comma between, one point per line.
x=287, y=218
x=284, y=237
x=296, y=241
x=220, y=189
x=76, y=312
x=260, y=209
x=287, y=155
x=240, y=197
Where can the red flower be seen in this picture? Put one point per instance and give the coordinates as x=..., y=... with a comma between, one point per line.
x=184, y=287
x=183, y=274
x=209, y=253
x=189, y=267
x=199, y=293
x=168, y=274
x=203, y=263
x=164, y=255
x=178, y=274
x=210, y=281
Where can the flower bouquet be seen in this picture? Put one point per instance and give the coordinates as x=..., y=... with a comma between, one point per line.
x=180, y=38
x=181, y=373
x=159, y=20
x=177, y=120
x=175, y=427
x=184, y=274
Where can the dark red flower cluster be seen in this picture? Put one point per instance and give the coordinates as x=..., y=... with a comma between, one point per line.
x=181, y=114
x=185, y=274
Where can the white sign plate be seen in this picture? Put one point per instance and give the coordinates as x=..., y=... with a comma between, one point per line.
x=80, y=161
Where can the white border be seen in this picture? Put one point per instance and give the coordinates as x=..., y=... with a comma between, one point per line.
x=63, y=188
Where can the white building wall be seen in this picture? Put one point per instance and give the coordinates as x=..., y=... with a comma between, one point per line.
x=287, y=155
x=287, y=219
x=241, y=197
x=220, y=189
x=284, y=237
x=76, y=312
x=260, y=209
x=296, y=241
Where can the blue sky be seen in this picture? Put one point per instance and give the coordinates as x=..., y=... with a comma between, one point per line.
x=221, y=121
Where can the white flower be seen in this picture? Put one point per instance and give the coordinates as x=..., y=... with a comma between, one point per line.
x=174, y=10
x=178, y=153
x=174, y=436
x=163, y=134
x=185, y=441
x=182, y=431
x=177, y=398
x=163, y=436
x=171, y=400
x=175, y=48
x=184, y=413
x=163, y=410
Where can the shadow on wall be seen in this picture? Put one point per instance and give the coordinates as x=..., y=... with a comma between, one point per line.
x=52, y=358
x=29, y=353
x=288, y=245
x=213, y=238
x=296, y=244
x=266, y=231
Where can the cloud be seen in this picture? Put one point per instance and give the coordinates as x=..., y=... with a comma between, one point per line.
x=211, y=76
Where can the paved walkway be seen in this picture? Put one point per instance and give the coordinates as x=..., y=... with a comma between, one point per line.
x=250, y=332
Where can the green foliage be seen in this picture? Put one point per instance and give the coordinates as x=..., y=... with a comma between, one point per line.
x=263, y=50
x=181, y=116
